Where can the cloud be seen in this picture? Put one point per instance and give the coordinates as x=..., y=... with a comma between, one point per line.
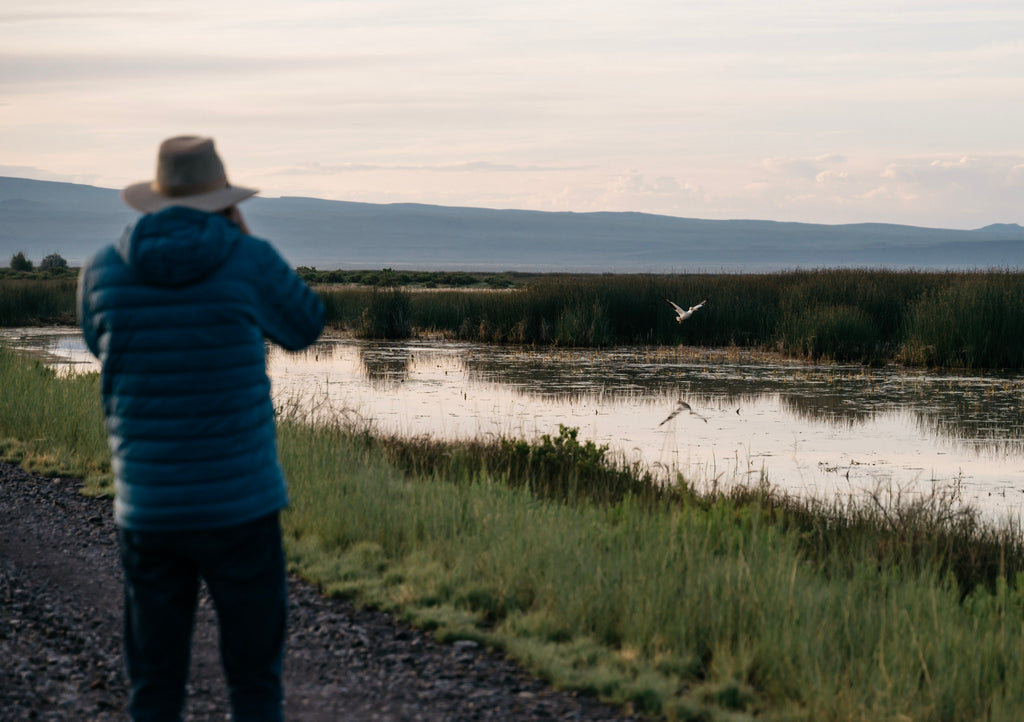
x=30, y=71
x=831, y=176
x=634, y=191
x=952, y=190
x=965, y=173
x=477, y=166
x=33, y=173
x=32, y=16
x=805, y=168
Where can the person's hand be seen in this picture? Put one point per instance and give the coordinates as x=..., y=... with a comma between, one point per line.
x=235, y=216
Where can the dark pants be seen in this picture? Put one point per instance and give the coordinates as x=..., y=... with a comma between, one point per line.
x=244, y=569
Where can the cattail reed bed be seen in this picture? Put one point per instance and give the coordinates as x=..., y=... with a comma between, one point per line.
x=962, y=319
x=684, y=600
x=952, y=319
x=37, y=301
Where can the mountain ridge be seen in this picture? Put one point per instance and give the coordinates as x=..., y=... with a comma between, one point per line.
x=42, y=217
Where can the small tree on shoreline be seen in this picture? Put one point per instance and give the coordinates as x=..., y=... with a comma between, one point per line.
x=53, y=261
x=20, y=263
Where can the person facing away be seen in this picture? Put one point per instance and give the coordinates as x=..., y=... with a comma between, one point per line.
x=177, y=313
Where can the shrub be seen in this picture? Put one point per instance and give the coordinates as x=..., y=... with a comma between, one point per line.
x=54, y=262
x=20, y=263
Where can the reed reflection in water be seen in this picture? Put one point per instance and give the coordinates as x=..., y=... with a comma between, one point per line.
x=813, y=429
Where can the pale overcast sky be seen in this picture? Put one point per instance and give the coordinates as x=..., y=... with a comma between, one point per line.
x=829, y=111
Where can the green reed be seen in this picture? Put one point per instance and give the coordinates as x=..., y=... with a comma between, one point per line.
x=961, y=319
x=970, y=319
x=977, y=321
x=386, y=315
x=35, y=301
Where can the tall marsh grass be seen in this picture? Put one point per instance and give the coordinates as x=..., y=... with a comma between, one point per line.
x=33, y=301
x=970, y=319
x=978, y=321
x=951, y=319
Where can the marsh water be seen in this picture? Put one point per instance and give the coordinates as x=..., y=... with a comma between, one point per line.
x=810, y=429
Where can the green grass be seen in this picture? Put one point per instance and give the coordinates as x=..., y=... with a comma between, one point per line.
x=49, y=424
x=720, y=603
x=707, y=605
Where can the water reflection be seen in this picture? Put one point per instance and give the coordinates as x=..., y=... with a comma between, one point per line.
x=818, y=429
x=385, y=365
x=982, y=412
x=815, y=429
x=59, y=347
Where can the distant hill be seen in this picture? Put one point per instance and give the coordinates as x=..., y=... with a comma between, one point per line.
x=42, y=217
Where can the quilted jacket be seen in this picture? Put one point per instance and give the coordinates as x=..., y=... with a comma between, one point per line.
x=178, y=312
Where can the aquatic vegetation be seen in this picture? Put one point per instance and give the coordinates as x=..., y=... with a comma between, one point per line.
x=33, y=300
x=386, y=315
x=954, y=319
x=961, y=319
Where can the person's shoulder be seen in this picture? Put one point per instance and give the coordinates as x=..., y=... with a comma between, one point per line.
x=258, y=251
x=256, y=242
x=105, y=257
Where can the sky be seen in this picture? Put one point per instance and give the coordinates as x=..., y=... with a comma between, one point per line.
x=826, y=111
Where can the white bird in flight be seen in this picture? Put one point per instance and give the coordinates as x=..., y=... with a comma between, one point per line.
x=682, y=406
x=681, y=314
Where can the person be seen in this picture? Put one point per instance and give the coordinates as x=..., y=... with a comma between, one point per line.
x=178, y=313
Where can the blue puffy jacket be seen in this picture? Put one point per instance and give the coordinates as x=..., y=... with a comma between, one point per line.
x=177, y=313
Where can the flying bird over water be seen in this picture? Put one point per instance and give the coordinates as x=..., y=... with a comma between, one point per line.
x=682, y=406
x=683, y=314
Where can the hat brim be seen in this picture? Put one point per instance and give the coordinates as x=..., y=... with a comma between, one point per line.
x=142, y=197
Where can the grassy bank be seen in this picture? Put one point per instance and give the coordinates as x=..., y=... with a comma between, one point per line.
x=955, y=319
x=685, y=602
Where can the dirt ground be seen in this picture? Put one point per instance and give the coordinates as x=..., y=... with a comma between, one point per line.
x=60, y=638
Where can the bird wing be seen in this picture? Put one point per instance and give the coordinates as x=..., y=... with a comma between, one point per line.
x=670, y=416
x=694, y=308
x=676, y=307
x=683, y=406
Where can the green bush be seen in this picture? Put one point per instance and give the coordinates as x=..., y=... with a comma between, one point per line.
x=20, y=263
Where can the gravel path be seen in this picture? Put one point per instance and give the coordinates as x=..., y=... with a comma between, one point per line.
x=60, y=636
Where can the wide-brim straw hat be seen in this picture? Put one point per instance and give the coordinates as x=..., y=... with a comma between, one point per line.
x=188, y=173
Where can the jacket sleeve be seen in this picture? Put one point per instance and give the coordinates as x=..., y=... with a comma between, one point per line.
x=292, y=313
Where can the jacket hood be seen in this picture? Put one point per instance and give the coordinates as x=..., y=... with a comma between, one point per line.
x=178, y=246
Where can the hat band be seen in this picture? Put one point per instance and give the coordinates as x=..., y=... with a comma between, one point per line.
x=189, y=190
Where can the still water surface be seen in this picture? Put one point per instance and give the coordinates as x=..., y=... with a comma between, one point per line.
x=812, y=429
